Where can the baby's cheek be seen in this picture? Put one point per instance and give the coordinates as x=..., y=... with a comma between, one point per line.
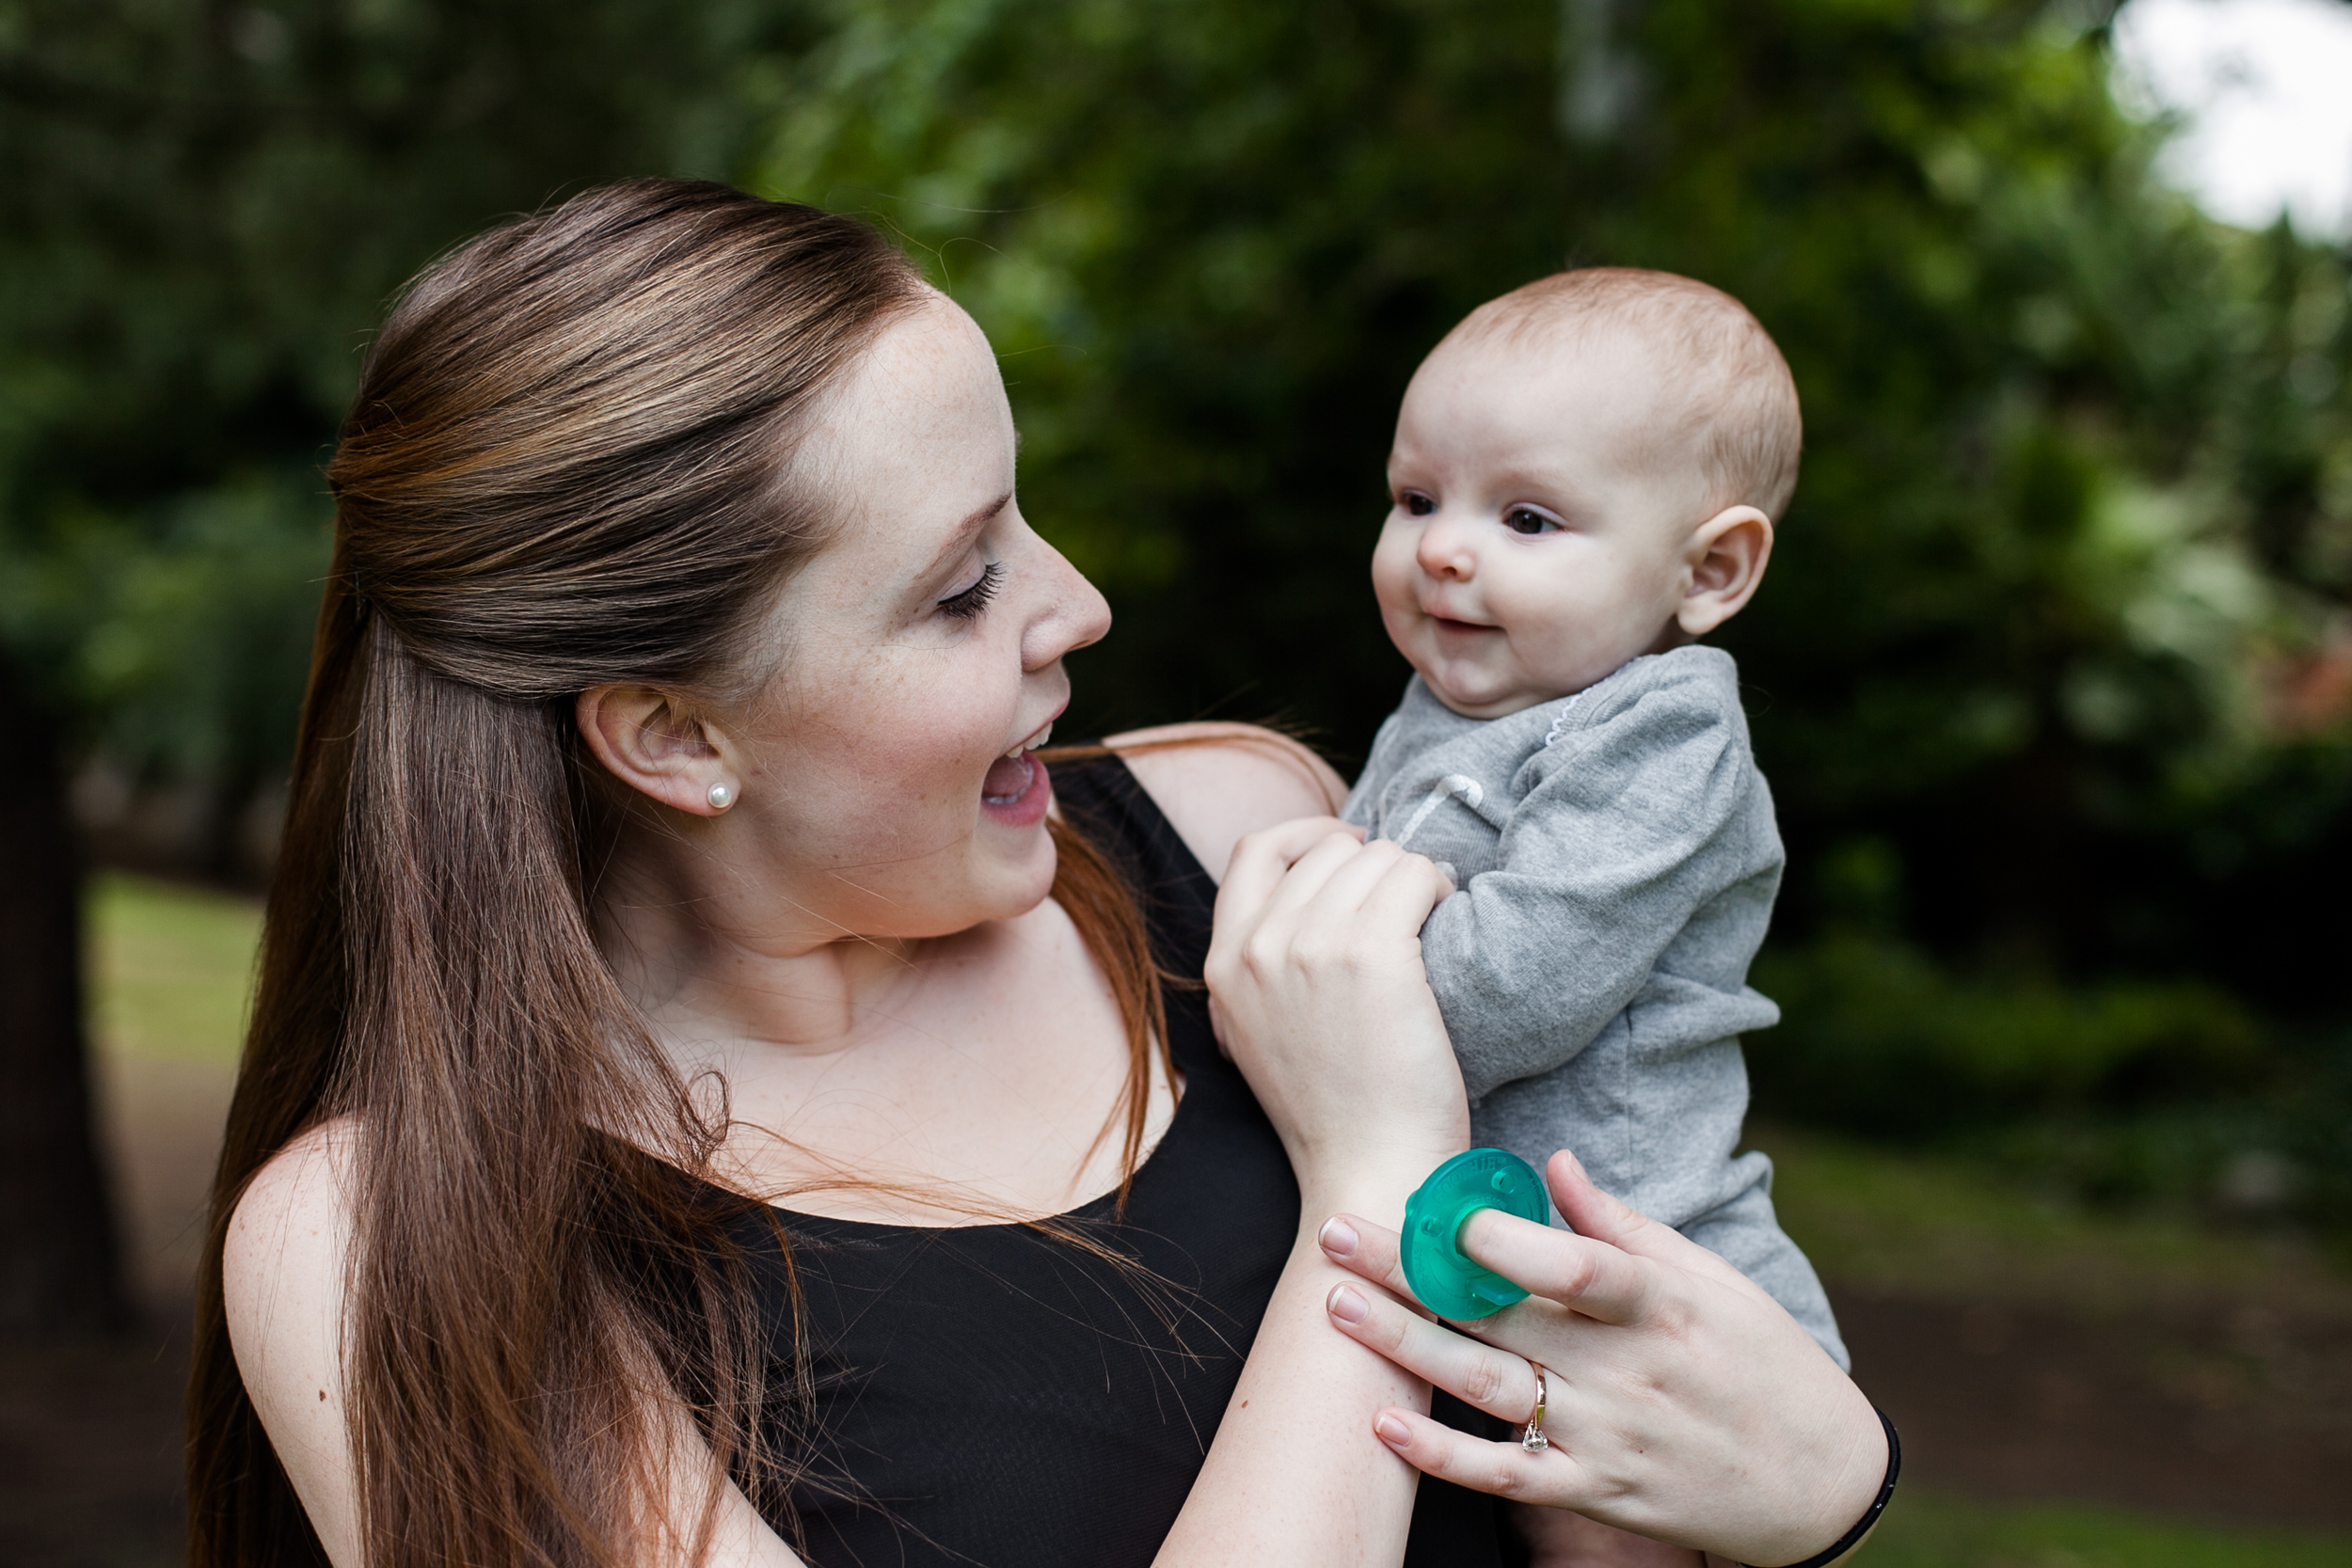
x=1392, y=567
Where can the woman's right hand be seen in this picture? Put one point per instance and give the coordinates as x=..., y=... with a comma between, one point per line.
x=1315, y=976
x=1683, y=1403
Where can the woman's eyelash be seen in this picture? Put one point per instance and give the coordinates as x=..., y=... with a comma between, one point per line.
x=971, y=601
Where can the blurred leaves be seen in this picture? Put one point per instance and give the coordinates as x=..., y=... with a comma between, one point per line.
x=208, y=207
x=2058, y=638
x=2071, y=511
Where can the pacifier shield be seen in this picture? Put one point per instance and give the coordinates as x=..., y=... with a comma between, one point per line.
x=1448, y=1283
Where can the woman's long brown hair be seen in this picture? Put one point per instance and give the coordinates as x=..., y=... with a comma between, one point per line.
x=568, y=464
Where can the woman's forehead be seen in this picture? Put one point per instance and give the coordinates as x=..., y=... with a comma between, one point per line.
x=918, y=440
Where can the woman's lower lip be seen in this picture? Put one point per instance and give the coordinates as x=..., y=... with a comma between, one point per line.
x=1024, y=806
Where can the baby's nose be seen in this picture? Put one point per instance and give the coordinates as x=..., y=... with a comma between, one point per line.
x=1445, y=550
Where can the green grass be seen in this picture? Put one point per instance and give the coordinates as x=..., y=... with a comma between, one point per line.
x=1952, y=1228
x=1923, y=1529
x=170, y=968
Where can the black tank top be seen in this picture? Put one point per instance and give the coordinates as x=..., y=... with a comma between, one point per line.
x=992, y=1395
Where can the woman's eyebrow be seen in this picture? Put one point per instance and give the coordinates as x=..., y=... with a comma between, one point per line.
x=961, y=534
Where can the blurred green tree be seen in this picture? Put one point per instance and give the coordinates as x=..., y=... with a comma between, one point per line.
x=2050, y=678
x=2077, y=511
x=207, y=206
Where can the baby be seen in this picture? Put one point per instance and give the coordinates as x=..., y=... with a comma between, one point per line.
x=1584, y=480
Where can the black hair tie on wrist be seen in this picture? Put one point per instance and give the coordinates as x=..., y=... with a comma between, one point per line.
x=1847, y=1542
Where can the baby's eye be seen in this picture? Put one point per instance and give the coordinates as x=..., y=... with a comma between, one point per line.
x=1417, y=504
x=1526, y=519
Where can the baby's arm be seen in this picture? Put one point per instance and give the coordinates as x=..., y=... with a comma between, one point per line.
x=1635, y=820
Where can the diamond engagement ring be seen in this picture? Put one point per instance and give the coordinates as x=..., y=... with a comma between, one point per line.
x=1532, y=1439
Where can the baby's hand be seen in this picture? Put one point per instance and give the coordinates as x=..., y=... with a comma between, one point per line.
x=1559, y=1539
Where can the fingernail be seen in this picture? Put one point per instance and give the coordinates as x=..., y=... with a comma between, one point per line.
x=1392, y=1432
x=1346, y=1305
x=1338, y=1237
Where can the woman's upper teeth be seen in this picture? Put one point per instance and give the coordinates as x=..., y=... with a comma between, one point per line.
x=1035, y=741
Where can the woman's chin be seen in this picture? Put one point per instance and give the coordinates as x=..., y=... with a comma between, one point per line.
x=1019, y=860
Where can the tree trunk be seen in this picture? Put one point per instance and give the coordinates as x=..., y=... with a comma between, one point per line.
x=59, y=1270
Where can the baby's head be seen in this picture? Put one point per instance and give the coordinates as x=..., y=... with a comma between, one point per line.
x=1585, y=470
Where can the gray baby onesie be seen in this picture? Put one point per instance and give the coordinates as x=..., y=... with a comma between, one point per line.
x=1617, y=858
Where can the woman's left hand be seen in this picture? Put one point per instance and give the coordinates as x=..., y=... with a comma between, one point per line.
x=1320, y=997
x=1683, y=1403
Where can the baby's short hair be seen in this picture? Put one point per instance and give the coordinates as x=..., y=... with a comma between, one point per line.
x=1736, y=395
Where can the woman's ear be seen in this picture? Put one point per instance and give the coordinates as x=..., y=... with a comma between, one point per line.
x=1725, y=559
x=649, y=742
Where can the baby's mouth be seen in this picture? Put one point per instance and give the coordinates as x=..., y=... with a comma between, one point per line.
x=1008, y=776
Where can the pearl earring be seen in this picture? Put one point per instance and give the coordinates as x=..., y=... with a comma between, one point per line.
x=721, y=796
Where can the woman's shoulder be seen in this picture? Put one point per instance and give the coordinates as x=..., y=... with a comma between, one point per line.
x=282, y=1260
x=282, y=1271
x=309, y=1179
x=1217, y=784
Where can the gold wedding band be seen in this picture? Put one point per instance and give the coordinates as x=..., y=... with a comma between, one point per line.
x=1532, y=1439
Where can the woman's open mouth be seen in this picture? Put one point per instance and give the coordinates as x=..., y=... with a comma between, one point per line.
x=1017, y=790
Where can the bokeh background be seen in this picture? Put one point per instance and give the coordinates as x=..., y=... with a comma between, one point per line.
x=2052, y=677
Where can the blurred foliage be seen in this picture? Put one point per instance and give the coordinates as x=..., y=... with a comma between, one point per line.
x=2053, y=672
x=208, y=206
x=2079, y=482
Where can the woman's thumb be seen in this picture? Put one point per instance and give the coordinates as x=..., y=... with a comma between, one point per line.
x=1589, y=1211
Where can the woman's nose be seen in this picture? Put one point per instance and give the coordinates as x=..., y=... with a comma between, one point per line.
x=1074, y=613
x=1445, y=549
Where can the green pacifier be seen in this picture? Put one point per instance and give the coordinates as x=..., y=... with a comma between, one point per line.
x=1448, y=1283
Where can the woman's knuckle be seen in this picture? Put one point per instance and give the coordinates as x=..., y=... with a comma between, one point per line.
x=1322, y=950
x=1503, y=1477
x=1482, y=1383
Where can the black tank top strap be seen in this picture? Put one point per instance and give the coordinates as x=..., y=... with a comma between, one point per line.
x=1101, y=799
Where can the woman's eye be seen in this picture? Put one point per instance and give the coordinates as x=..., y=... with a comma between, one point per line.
x=1526, y=519
x=966, y=603
x=1417, y=505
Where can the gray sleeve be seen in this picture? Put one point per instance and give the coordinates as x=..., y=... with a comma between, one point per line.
x=1635, y=821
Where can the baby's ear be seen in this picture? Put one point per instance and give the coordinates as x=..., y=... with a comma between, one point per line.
x=1722, y=564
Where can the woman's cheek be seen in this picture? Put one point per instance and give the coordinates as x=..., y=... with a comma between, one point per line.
x=932, y=750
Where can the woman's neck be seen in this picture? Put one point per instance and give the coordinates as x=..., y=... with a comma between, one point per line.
x=720, y=965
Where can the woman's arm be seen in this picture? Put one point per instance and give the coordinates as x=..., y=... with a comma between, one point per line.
x=1684, y=1404
x=282, y=1273
x=1316, y=972
x=1295, y=1474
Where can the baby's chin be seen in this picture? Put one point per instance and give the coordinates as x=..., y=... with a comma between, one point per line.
x=1478, y=694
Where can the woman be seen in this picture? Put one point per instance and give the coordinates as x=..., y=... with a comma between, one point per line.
x=700, y=1101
